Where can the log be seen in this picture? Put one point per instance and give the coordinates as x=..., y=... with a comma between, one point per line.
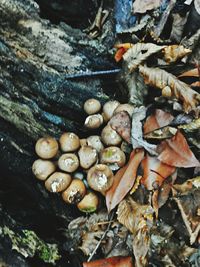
x=36, y=99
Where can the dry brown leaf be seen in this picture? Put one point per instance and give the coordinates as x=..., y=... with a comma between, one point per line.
x=110, y=262
x=187, y=197
x=138, y=219
x=161, y=195
x=195, y=84
x=190, y=73
x=160, y=134
x=157, y=120
x=139, y=53
x=142, y=6
x=125, y=180
x=121, y=123
x=162, y=79
x=176, y=152
x=174, y=52
x=154, y=172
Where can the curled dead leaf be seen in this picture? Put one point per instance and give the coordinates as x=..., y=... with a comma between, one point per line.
x=124, y=180
x=139, y=53
x=180, y=90
x=176, y=152
x=142, y=6
x=190, y=127
x=187, y=197
x=110, y=262
x=157, y=120
x=121, y=123
x=154, y=172
x=190, y=73
x=174, y=52
x=138, y=219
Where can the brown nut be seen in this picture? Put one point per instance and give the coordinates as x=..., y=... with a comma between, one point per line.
x=68, y=162
x=110, y=137
x=125, y=107
x=100, y=178
x=46, y=147
x=58, y=182
x=89, y=203
x=69, y=142
x=94, y=121
x=114, y=157
x=95, y=142
x=75, y=192
x=92, y=106
x=43, y=168
x=87, y=156
x=108, y=109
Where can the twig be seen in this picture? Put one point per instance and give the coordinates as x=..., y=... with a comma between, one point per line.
x=103, y=236
x=89, y=74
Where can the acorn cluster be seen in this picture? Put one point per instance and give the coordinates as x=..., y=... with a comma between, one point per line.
x=78, y=168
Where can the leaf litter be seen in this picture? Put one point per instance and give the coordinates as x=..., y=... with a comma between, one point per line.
x=153, y=214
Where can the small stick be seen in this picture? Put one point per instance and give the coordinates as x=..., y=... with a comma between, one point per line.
x=92, y=74
x=103, y=236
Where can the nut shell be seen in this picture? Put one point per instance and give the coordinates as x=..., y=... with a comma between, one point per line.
x=92, y=106
x=95, y=142
x=43, y=168
x=46, y=147
x=94, y=121
x=125, y=107
x=89, y=203
x=75, y=192
x=87, y=156
x=110, y=137
x=113, y=156
x=69, y=142
x=68, y=162
x=58, y=182
x=100, y=178
x=108, y=109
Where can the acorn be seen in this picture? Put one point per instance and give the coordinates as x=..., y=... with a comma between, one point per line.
x=108, y=109
x=110, y=137
x=46, y=147
x=68, y=162
x=100, y=178
x=89, y=203
x=69, y=142
x=114, y=157
x=87, y=156
x=92, y=106
x=43, y=168
x=94, y=121
x=75, y=192
x=58, y=182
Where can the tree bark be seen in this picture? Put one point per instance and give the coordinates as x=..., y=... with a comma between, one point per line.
x=36, y=99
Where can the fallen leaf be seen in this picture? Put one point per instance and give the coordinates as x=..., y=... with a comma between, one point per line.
x=124, y=45
x=187, y=197
x=154, y=172
x=195, y=84
x=137, y=133
x=190, y=73
x=139, y=53
x=162, y=79
x=160, y=134
x=157, y=120
x=119, y=54
x=121, y=123
x=110, y=262
x=136, y=87
x=190, y=127
x=176, y=152
x=124, y=180
x=142, y=6
x=136, y=184
x=161, y=195
x=174, y=52
x=138, y=219
x=178, y=26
